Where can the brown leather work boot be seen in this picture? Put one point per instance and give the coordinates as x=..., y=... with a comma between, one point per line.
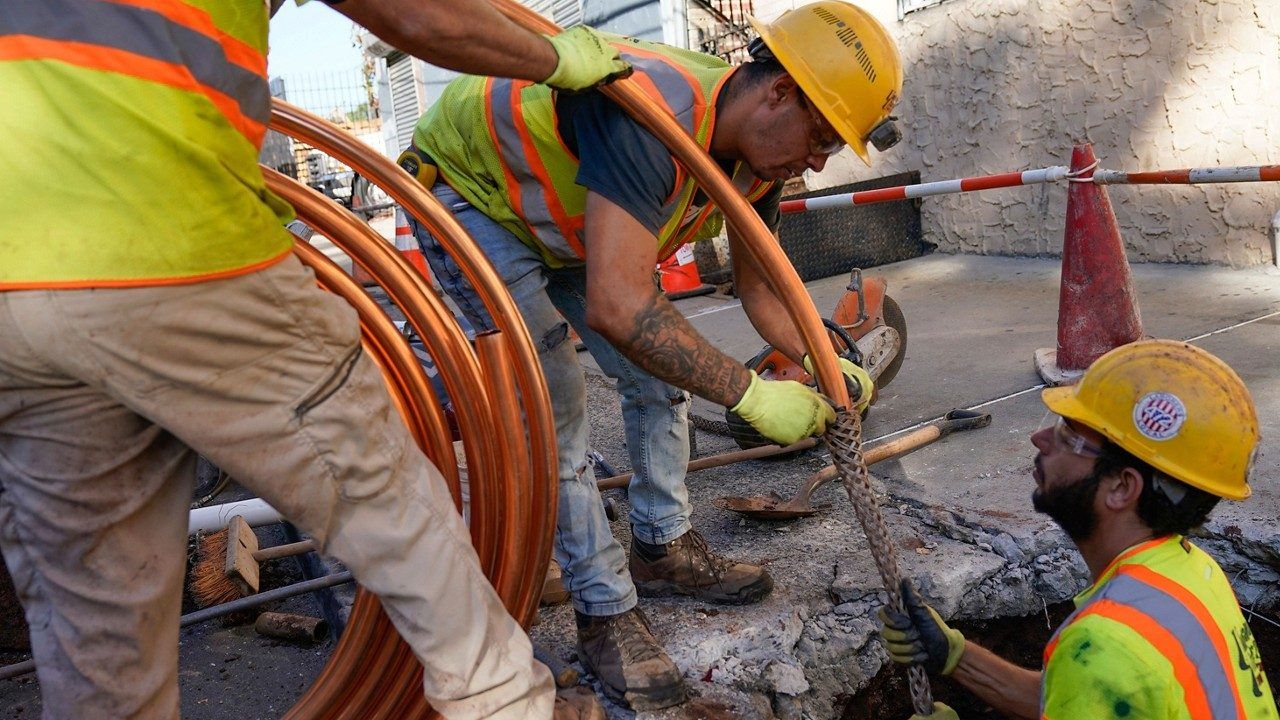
x=631, y=665
x=577, y=703
x=686, y=566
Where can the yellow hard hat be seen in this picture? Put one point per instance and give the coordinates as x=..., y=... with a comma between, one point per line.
x=846, y=62
x=1173, y=406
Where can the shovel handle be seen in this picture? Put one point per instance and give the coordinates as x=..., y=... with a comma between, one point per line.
x=954, y=421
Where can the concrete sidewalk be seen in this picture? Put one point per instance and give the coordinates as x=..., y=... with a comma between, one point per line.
x=959, y=511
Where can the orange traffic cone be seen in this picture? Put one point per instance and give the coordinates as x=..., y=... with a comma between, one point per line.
x=1096, y=308
x=679, y=275
x=408, y=246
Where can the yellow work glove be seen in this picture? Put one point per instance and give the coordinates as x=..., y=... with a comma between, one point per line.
x=859, y=382
x=784, y=411
x=920, y=636
x=586, y=60
x=941, y=711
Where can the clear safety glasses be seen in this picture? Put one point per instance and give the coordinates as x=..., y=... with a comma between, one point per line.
x=1066, y=438
x=823, y=139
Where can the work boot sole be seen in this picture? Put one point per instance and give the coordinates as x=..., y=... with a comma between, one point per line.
x=643, y=698
x=748, y=594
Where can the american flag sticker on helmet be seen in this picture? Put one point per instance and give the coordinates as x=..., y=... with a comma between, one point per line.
x=1159, y=415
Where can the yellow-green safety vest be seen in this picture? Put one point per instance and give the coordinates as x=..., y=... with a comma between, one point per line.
x=496, y=142
x=1159, y=636
x=131, y=133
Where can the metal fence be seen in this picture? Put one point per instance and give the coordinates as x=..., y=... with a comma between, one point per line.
x=346, y=96
x=719, y=27
x=349, y=99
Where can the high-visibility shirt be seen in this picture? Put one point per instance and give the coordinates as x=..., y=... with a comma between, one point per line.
x=1159, y=635
x=497, y=142
x=131, y=133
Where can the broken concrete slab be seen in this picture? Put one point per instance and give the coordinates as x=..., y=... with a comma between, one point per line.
x=959, y=511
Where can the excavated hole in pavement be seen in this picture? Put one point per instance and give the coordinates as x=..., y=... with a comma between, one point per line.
x=1019, y=640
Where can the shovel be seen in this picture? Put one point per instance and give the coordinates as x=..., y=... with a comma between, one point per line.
x=776, y=507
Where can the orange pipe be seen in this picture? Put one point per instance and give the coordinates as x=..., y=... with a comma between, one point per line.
x=370, y=645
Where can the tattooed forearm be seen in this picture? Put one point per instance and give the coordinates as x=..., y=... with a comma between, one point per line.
x=660, y=340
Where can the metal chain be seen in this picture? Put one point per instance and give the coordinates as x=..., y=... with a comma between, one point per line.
x=844, y=440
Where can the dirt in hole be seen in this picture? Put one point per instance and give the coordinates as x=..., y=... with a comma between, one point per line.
x=1019, y=640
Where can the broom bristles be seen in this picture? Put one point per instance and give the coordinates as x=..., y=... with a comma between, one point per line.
x=209, y=583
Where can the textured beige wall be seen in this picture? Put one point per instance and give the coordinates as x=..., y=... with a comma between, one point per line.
x=1000, y=85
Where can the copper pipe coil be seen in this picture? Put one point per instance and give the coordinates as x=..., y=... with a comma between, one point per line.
x=423, y=206
x=435, y=324
x=372, y=673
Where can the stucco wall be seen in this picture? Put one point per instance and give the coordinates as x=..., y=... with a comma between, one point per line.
x=1000, y=85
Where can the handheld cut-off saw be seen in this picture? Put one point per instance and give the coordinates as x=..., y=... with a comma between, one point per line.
x=867, y=327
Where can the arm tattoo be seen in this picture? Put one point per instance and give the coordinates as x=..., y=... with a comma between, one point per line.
x=662, y=341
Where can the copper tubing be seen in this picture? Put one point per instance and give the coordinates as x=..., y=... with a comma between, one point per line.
x=496, y=364
x=768, y=257
x=372, y=673
x=423, y=206
x=370, y=654
x=771, y=262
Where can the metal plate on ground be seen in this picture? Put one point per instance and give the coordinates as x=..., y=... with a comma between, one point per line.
x=822, y=243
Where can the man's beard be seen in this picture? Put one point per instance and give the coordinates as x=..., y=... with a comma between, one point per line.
x=1071, y=506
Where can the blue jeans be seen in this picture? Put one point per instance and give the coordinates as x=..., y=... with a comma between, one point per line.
x=654, y=413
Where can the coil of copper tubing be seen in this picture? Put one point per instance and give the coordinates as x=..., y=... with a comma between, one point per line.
x=423, y=206
x=371, y=672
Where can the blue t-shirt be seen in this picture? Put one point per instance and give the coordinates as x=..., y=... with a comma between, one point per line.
x=623, y=162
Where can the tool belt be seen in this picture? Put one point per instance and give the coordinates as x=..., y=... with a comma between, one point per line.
x=419, y=165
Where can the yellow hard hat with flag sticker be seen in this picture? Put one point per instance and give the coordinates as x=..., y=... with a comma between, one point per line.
x=845, y=62
x=1175, y=407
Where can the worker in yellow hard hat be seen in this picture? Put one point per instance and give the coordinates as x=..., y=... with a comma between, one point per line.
x=1143, y=448
x=151, y=308
x=574, y=203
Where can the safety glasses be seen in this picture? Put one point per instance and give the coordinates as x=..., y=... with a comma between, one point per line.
x=1068, y=439
x=823, y=139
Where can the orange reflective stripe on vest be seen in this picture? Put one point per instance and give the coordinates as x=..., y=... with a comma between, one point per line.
x=1180, y=628
x=532, y=193
x=530, y=187
x=162, y=41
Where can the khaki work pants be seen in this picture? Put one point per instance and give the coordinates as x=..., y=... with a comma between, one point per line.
x=104, y=394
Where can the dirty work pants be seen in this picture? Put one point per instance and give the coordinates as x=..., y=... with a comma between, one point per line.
x=104, y=394
x=654, y=413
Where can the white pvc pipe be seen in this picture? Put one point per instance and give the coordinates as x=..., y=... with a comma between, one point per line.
x=215, y=517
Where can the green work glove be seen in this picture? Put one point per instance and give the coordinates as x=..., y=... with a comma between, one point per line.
x=784, y=411
x=920, y=636
x=586, y=60
x=941, y=711
x=859, y=382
